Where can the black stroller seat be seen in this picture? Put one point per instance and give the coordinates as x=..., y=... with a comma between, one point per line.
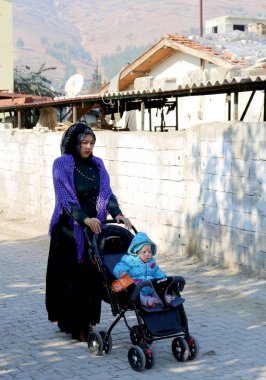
x=112, y=244
x=109, y=247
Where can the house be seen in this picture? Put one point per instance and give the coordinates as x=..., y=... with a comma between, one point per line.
x=228, y=24
x=178, y=82
x=6, y=46
x=176, y=61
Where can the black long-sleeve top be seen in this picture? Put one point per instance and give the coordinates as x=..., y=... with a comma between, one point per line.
x=87, y=184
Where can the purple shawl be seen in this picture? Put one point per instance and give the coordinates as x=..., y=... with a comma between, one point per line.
x=65, y=192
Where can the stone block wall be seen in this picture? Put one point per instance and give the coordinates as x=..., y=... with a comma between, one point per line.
x=200, y=191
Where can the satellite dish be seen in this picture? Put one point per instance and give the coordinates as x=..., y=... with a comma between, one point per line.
x=74, y=85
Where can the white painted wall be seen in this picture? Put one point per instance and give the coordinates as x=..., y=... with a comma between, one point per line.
x=175, y=66
x=200, y=191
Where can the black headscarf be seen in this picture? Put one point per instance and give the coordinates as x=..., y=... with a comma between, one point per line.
x=73, y=136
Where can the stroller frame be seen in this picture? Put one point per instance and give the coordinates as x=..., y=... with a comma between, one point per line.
x=141, y=355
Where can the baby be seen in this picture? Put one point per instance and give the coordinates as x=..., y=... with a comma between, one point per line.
x=140, y=265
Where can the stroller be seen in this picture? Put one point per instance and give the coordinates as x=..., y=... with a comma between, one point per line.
x=161, y=322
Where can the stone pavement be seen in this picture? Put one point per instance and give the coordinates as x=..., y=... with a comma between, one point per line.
x=226, y=313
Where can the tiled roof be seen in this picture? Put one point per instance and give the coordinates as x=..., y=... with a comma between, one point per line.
x=194, y=44
x=11, y=99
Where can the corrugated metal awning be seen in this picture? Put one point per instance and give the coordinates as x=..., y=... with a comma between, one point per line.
x=237, y=84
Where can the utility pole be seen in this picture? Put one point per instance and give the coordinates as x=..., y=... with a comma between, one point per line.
x=202, y=62
x=201, y=19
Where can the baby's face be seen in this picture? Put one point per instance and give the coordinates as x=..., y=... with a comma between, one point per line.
x=145, y=253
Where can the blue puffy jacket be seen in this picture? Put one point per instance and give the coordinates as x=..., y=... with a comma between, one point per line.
x=132, y=264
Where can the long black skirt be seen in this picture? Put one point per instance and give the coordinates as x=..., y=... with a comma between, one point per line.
x=73, y=296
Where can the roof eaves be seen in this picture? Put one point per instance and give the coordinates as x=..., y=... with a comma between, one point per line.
x=143, y=58
x=132, y=67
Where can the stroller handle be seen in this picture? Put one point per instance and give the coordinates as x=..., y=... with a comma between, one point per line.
x=113, y=221
x=179, y=280
x=88, y=237
x=108, y=221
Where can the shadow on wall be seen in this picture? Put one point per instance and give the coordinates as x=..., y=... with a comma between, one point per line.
x=228, y=228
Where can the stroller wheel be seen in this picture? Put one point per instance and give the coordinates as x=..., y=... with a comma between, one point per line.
x=193, y=347
x=135, y=335
x=95, y=343
x=136, y=358
x=150, y=355
x=107, y=346
x=180, y=349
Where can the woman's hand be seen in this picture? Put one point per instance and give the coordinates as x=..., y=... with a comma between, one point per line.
x=94, y=224
x=121, y=218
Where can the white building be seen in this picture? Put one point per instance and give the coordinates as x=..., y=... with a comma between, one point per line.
x=177, y=61
x=227, y=24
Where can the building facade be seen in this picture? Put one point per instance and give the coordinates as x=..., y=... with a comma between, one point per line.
x=180, y=61
x=227, y=24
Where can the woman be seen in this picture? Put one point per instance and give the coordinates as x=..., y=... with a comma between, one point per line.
x=83, y=197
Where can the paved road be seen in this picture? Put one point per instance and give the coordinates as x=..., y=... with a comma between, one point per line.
x=226, y=313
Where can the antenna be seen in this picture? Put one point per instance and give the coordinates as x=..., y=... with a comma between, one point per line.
x=74, y=85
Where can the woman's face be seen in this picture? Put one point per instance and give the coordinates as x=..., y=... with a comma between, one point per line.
x=87, y=145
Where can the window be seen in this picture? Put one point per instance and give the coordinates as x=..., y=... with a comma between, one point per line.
x=239, y=27
x=215, y=29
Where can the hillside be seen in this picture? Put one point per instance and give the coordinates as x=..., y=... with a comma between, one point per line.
x=73, y=36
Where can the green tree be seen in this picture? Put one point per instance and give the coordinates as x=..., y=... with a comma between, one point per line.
x=33, y=82
x=96, y=80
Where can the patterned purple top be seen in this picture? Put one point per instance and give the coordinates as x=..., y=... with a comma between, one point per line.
x=65, y=193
